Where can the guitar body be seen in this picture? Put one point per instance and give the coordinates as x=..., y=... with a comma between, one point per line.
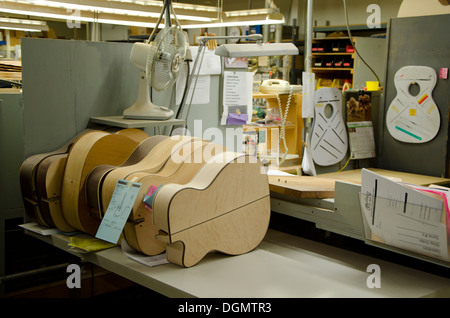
x=224, y=208
x=29, y=183
x=91, y=150
x=140, y=232
x=49, y=181
x=151, y=163
x=96, y=176
x=413, y=116
x=329, y=141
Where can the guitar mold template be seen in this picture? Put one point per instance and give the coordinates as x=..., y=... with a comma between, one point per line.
x=413, y=116
x=329, y=141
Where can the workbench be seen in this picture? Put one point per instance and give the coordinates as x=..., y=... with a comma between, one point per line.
x=283, y=265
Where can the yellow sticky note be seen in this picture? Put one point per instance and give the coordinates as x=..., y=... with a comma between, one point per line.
x=412, y=112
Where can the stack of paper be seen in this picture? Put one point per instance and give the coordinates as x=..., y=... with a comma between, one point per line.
x=407, y=216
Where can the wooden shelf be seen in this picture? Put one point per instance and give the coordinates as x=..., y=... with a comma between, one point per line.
x=357, y=74
x=258, y=127
x=261, y=95
x=333, y=53
x=293, y=127
x=330, y=69
x=353, y=28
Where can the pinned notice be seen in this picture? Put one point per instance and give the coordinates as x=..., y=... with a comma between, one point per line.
x=119, y=209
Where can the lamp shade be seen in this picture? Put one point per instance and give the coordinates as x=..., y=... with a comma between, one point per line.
x=256, y=49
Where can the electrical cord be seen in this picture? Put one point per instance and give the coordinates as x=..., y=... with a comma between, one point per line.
x=351, y=41
x=283, y=122
x=183, y=98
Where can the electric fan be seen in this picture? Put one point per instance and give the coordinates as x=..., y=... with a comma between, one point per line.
x=160, y=62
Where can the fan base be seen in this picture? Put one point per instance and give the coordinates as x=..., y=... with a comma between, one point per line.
x=156, y=113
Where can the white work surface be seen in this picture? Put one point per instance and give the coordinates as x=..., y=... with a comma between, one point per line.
x=281, y=266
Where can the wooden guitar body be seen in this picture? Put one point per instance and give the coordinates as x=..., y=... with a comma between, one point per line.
x=182, y=166
x=36, y=209
x=91, y=150
x=414, y=117
x=96, y=176
x=224, y=208
x=49, y=181
x=151, y=163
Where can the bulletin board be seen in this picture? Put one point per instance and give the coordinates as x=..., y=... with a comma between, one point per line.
x=418, y=41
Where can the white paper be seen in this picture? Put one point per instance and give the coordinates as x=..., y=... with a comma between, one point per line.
x=237, y=93
x=308, y=95
x=402, y=216
x=143, y=259
x=200, y=85
x=42, y=230
x=210, y=64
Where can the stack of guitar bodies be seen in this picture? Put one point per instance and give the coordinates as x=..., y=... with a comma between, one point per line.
x=203, y=197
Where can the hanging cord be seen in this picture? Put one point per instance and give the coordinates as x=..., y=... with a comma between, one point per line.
x=175, y=18
x=158, y=22
x=201, y=50
x=353, y=44
x=283, y=122
x=183, y=98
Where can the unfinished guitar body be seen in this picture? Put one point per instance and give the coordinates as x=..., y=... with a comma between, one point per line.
x=182, y=166
x=225, y=208
x=49, y=180
x=151, y=163
x=31, y=173
x=97, y=175
x=92, y=149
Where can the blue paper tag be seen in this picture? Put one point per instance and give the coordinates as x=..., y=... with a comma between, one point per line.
x=119, y=209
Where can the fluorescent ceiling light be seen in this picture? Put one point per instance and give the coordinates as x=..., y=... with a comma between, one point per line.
x=175, y=5
x=69, y=16
x=121, y=8
x=261, y=19
x=240, y=13
x=124, y=12
x=117, y=7
x=23, y=25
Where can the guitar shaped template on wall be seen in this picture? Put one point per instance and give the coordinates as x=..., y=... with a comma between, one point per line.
x=329, y=139
x=413, y=116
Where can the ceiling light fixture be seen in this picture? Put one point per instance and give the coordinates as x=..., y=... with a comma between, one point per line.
x=139, y=13
x=23, y=25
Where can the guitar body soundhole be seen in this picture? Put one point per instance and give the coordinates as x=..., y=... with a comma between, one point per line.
x=328, y=111
x=414, y=89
